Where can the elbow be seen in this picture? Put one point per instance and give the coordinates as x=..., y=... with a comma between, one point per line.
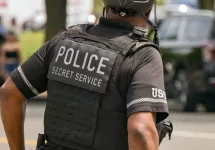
x=10, y=95
x=4, y=93
x=2, y=90
x=144, y=131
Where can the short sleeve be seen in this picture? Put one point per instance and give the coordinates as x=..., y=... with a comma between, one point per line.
x=146, y=91
x=30, y=78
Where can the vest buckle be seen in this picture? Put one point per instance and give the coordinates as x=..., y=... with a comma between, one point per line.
x=139, y=31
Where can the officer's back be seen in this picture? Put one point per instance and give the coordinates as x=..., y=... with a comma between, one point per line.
x=105, y=83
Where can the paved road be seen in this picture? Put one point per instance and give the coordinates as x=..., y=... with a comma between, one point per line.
x=192, y=131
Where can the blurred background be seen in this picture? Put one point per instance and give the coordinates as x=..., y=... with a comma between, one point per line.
x=187, y=41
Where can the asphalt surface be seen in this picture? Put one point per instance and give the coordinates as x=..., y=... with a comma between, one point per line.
x=191, y=131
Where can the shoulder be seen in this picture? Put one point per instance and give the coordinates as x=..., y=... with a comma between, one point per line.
x=53, y=41
x=150, y=55
x=148, y=52
x=144, y=56
x=139, y=64
x=57, y=37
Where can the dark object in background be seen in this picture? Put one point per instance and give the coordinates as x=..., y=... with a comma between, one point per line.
x=40, y=141
x=164, y=128
x=56, y=17
x=187, y=42
x=2, y=33
x=2, y=80
x=2, y=39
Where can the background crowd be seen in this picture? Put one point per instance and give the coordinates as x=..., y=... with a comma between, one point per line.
x=10, y=49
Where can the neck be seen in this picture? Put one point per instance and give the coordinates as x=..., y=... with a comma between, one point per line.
x=135, y=21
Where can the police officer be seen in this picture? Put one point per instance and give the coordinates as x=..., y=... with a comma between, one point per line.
x=105, y=85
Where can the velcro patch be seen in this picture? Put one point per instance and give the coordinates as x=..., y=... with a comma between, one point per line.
x=82, y=65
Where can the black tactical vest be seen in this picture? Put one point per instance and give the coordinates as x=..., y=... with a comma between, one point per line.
x=84, y=108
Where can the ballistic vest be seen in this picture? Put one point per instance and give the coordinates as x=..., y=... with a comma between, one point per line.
x=84, y=107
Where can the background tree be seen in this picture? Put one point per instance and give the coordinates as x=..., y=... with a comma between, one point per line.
x=56, y=17
x=207, y=4
x=98, y=5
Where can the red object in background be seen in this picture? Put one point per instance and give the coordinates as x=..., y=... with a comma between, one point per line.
x=209, y=52
x=3, y=4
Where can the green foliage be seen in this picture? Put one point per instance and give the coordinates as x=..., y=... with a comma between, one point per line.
x=160, y=2
x=31, y=42
x=98, y=6
x=207, y=4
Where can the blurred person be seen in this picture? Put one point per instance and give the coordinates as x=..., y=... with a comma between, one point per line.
x=2, y=40
x=14, y=26
x=11, y=53
x=105, y=85
x=2, y=71
x=2, y=32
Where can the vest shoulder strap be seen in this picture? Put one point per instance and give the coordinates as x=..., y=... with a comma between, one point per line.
x=126, y=43
x=121, y=43
x=142, y=45
x=80, y=27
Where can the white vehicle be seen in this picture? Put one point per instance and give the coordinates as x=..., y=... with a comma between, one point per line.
x=165, y=11
x=190, y=3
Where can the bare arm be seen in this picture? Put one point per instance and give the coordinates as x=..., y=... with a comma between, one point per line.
x=12, y=113
x=146, y=100
x=142, y=132
x=29, y=80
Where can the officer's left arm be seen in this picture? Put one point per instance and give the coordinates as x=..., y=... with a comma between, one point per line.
x=12, y=106
x=26, y=82
x=146, y=100
x=142, y=133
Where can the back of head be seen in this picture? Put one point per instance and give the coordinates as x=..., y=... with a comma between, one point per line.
x=138, y=6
